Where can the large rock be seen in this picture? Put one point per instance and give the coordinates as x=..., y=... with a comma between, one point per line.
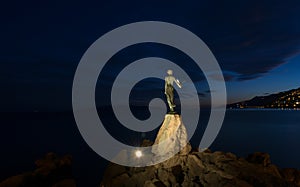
x=202, y=169
x=173, y=133
x=51, y=171
x=291, y=175
x=259, y=158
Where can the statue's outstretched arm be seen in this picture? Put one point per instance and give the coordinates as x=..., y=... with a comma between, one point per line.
x=178, y=83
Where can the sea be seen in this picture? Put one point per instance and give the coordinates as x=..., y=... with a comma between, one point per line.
x=27, y=137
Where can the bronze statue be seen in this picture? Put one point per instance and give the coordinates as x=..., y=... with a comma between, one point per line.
x=169, y=89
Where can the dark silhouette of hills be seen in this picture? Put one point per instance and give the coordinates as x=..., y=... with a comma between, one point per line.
x=286, y=99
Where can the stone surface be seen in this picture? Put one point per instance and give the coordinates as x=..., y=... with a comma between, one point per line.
x=259, y=158
x=204, y=169
x=50, y=171
x=291, y=174
x=171, y=138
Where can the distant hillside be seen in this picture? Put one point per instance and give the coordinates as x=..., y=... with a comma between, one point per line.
x=287, y=99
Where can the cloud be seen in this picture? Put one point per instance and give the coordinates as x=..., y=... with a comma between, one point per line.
x=250, y=39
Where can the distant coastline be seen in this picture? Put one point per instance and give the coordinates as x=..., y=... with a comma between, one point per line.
x=287, y=100
x=264, y=109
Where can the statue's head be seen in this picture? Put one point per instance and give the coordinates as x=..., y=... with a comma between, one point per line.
x=169, y=72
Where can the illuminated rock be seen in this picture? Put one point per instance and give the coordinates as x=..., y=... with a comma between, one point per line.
x=202, y=169
x=171, y=138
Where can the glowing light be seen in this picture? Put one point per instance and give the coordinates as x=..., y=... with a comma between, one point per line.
x=138, y=153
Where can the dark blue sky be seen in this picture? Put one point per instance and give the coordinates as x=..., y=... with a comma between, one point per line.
x=257, y=44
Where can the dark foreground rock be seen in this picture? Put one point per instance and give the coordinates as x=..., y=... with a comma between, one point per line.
x=204, y=169
x=51, y=171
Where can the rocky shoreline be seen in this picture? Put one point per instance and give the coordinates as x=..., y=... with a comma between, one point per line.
x=186, y=169
x=205, y=168
x=51, y=171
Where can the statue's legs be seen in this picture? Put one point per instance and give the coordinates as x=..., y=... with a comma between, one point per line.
x=170, y=104
x=170, y=97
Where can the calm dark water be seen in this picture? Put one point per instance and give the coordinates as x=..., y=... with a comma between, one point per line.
x=276, y=132
x=26, y=137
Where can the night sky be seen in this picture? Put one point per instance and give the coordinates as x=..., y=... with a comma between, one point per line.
x=257, y=44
